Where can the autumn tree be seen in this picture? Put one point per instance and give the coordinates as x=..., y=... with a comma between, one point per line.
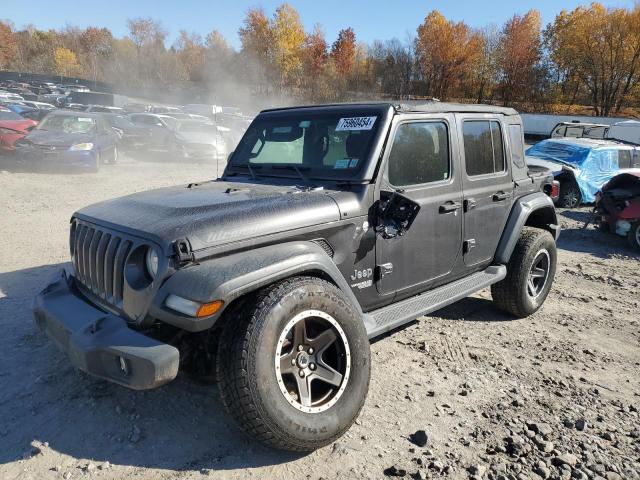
x=97, y=43
x=487, y=69
x=446, y=53
x=343, y=51
x=191, y=52
x=66, y=62
x=600, y=48
x=288, y=41
x=8, y=45
x=519, y=53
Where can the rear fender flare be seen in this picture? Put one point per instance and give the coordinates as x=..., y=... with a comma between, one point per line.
x=521, y=212
x=230, y=277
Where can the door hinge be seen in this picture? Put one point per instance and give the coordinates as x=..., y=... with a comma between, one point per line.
x=384, y=270
x=467, y=245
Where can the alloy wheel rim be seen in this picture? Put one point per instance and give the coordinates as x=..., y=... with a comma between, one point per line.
x=312, y=361
x=538, y=274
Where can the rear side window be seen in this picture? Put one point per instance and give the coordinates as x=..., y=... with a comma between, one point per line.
x=624, y=158
x=517, y=145
x=420, y=154
x=483, y=147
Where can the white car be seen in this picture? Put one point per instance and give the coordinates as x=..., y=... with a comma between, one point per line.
x=38, y=105
x=10, y=97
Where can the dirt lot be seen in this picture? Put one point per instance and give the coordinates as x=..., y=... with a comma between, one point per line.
x=552, y=396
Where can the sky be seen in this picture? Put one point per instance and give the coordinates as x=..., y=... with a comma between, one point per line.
x=370, y=19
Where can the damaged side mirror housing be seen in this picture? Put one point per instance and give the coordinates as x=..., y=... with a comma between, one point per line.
x=396, y=213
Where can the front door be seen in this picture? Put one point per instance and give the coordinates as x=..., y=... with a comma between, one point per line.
x=422, y=166
x=487, y=186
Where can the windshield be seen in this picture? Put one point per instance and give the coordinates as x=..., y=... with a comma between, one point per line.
x=68, y=124
x=196, y=127
x=119, y=121
x=563, y=152
x=326, y=145
x=10, y=116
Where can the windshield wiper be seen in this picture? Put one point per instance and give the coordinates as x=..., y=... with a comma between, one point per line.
x=297, y=169
x=248, y=167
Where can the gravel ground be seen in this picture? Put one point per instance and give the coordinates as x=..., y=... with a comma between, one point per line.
x=555, y=395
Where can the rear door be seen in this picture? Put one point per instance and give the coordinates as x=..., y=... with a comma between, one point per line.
x=487, y=186
x=422, y=166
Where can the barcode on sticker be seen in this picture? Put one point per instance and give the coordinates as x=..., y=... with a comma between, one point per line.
x=355, y=123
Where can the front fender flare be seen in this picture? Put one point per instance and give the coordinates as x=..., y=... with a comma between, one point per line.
x=229, y=277
x=520, y=213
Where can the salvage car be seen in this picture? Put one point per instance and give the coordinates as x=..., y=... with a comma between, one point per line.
x=618, y=207
x=130, y=136
x=13, y=127
x=161, y=129
x=331, y=225
x=579, y=130
x=66, y=138
x=582, y=165
x=200, y=141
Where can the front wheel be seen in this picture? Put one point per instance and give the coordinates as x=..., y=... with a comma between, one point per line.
x=634, y=236
x=530, y=273
x=293, y=365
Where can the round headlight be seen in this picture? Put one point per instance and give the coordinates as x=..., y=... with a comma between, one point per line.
x=151, y=261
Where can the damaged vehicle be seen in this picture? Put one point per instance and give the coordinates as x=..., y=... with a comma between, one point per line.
x=582, y=165
x=69, y=139
x=618, y=207
x=13, y=127
x=330, y=226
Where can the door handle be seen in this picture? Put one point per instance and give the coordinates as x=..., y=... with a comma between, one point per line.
x=449, y=207
x=499, y=196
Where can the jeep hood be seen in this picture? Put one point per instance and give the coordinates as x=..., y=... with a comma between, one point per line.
x=212, y=213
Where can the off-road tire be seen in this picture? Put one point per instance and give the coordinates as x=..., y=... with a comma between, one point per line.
x=633, y=237
x=511, y=294
x=247, y=377
x=570, y=195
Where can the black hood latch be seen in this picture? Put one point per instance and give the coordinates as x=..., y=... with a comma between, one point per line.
x=182, y=249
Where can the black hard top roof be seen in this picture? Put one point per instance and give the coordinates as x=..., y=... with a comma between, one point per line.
x=407, y=107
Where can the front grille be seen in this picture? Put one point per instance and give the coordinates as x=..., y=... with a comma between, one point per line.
x=99, y=259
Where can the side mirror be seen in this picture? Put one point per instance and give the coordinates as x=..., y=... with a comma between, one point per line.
x=396, y=214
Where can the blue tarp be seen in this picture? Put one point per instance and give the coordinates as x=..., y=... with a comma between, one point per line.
x=592, y=167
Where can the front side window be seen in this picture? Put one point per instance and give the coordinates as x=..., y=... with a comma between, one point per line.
x=483, y=149
x=420, y=154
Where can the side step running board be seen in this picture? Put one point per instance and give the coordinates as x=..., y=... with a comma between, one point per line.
x=392, y=316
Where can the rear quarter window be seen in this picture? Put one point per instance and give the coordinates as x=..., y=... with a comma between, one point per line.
x=483, y=147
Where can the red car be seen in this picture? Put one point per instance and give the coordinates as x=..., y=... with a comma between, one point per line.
x=618, y=206
x=12, y=128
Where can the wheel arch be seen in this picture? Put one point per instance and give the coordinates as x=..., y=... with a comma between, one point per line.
x=533, y=210
x=235, y=277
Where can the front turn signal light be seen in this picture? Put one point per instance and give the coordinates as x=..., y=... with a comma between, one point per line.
x=210, y=308
x=191, y=308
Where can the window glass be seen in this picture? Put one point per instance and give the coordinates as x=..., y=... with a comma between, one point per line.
x=420, y=154
x=624, y=158
x=517, y=146
x=334, y=144
x=483, y=148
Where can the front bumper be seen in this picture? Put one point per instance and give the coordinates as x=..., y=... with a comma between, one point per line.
x=102, y=344
x=55, y=158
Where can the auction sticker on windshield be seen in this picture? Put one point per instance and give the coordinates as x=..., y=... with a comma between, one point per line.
x=355, y=123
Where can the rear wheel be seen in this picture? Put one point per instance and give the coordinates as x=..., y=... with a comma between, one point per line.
x=530, y=274
x=570, y=196
x=293, y=366
x=634, y=236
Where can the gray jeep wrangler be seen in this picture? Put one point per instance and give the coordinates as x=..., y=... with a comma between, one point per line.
x=330, y=225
